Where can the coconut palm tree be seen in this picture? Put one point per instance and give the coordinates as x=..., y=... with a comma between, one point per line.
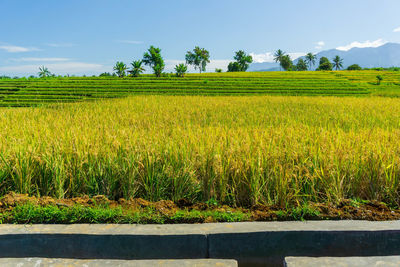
x=286, y=62
x=44, y=72
x=310, y=59
x=120, y=69
x=279, y=54
x=337, y=63
x=137, y=68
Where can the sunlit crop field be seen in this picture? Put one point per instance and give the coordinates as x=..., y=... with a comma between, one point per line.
x=237, y=150
x=37, y=92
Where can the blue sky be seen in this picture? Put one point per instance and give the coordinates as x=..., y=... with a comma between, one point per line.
x=89, y=36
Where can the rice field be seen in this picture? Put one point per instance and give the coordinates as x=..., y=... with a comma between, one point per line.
x=236, y=150
x=36, y=92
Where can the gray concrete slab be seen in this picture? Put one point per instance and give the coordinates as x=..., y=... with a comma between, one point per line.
x=208, y=228
x=269, y=244
x=393, y=261
x=43, y=262
x=252, y=244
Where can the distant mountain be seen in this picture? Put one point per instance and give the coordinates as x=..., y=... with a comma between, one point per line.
x=266, y=66
x=387, y=55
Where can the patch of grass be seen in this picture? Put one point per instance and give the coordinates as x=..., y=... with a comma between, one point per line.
x=299, y=213
x=50, y=214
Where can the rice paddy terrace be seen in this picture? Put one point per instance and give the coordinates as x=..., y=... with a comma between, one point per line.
x=33, y=92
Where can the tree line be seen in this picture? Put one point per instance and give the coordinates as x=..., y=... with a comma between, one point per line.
x=200, y=57
x=309, y=60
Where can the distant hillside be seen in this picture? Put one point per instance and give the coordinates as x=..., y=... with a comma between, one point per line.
x=387, y=55
x=266, y=66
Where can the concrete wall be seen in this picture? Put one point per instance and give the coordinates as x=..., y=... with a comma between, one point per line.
x=252, y=244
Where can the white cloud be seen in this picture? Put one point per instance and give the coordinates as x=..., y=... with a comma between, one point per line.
x=320, y=44
x=397, y=29
x=60, y=44
x=269, y=56
x=129, y=42
x=367, y=43
x=57, y=68
x=260, y=58
x=41, y=59
x=17, y=49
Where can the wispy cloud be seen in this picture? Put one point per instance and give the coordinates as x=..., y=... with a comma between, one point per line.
x=269, y=56
x=367, y=43
x=17, y=49
x=397, y=29
x=60, y=44
x=129, y=42
x=41, y=59
x=320, y=44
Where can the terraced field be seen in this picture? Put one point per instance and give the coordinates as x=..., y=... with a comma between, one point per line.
x=31, y=92
x=367, y=80
x=238, y=150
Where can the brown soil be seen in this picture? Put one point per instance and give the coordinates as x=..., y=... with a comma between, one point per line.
x=374, y=211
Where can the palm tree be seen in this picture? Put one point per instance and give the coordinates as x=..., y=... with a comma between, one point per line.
x=44, y=72
x=310, y=59
x=286, y=62
x=337, y=63
x=278, y=56
x=136, y=68
x=120, y=69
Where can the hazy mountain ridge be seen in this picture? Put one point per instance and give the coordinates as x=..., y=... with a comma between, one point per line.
x=387, y=55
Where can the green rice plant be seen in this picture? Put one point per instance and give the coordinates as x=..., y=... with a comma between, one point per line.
x=34, y=92
x=236, y=150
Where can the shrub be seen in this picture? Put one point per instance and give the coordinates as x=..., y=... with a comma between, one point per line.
x=137, y=68
x=180, y=70
x=354, y=67
x=379, y=79
x=325, y=64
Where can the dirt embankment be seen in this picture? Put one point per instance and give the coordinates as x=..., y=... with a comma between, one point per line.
x=345, y=210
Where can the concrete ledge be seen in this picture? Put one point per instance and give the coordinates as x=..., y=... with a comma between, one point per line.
x=343, y=262
x=43, y=262
x=252, y=244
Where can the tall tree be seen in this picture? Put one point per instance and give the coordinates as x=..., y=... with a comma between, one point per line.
x=337, y=63
x=120, y=69
x=301, y=65
x=242, y=62
x=154, y=59
x=198, y=58
x=243, y=59
x=286, y=62
x=44, y=72
x=279, y=54
x=137, y=68
x=310, y=59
